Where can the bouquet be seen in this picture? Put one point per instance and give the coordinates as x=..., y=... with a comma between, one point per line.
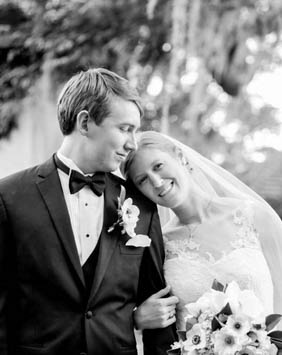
x=228, y=321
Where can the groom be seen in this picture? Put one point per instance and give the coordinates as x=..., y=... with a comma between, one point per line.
x=69, y=283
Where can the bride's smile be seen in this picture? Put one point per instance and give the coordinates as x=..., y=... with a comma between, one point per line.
x=166, y=188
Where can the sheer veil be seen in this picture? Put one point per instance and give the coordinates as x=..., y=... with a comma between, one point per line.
x=220, y=183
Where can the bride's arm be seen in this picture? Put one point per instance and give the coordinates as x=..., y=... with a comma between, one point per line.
x=269, y=228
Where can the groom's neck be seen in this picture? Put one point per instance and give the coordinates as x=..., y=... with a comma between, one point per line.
x=75, y=150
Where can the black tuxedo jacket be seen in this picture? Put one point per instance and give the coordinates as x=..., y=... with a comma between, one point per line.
x=44, y=306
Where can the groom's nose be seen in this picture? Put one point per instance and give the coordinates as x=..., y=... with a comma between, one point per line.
x=131, y=143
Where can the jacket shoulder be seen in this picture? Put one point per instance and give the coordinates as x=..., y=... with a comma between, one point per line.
x=26, y=176
x=18, y=176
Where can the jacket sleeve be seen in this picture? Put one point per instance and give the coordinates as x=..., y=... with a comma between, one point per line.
x=155, y=341
x=3, y=279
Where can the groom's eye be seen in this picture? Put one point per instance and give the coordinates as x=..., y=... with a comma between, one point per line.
x=124, y=129
x=158, y=166
x=127, y=128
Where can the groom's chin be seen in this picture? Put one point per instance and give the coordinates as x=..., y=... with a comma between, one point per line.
x=112, y=168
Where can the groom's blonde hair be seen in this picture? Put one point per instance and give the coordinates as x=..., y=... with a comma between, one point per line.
x=92, y=90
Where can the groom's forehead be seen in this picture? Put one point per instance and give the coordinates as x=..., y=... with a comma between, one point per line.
x=124, y=112
x=120, y=103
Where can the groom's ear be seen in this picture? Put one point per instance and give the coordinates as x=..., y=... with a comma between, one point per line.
x=83, y=119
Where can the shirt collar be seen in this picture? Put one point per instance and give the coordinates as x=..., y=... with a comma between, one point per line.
x=70, y=163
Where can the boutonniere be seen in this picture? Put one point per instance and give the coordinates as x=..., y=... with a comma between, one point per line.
x=127, y=220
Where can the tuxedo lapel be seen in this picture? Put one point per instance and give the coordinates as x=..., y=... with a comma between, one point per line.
x=108, y=241
x=49, y=185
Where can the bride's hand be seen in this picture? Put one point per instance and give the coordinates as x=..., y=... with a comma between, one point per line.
x=157, y=311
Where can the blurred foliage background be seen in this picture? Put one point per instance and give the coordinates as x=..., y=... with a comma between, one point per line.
x=198, y=65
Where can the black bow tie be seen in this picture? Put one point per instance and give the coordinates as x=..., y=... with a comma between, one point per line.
x=77, y=181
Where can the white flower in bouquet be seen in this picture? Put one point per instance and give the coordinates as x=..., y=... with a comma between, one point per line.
x=238, y=324
x=228, y=343
x=261, y=340
x=228, y=321
x=195, y=338
x=210, y=303
x=244, y=302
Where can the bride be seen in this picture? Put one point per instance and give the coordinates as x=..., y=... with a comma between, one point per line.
x=217, y=227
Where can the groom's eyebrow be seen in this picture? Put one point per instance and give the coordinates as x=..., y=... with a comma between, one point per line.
x=131, y=126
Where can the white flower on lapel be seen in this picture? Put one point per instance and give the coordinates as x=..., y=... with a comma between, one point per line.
x=127, y=218
x=129, y=215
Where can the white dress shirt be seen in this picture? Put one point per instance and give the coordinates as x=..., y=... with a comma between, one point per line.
x=86, y=211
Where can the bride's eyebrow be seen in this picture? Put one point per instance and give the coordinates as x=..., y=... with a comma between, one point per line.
x=139, y=176
x=143, y=174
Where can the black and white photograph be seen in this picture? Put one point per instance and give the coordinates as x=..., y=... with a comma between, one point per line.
x=140, y=177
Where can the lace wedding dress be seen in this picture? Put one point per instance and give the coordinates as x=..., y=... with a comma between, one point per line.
x=225, y=249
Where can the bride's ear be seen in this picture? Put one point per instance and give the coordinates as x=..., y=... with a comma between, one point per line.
x=183, y=160
x=181, y=156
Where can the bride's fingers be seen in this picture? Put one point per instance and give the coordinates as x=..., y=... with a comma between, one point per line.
x=170, y=309
x=168, y=322
x=168, y=313
x=172, y=300
x=171, y=312
x=163, y=292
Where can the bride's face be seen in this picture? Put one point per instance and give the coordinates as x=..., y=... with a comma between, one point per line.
x=160, y=176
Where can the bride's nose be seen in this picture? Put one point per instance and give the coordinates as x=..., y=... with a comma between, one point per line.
x=156, y=180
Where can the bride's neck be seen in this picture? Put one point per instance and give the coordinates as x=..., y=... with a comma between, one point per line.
x=195, y=210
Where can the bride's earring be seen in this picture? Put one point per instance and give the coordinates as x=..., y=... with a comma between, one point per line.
x=186, y=163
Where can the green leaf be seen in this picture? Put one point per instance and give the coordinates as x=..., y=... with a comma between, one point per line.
x=226, y=310
x=272, y=320
x=221, y=317
x=276, y=338
x=276, y=342
x=181, y=334
x=190, y=322
x=217, y=286
x=189, y=326
x=277, y=334
x=215, y=325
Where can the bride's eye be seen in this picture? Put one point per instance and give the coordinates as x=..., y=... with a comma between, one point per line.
x=141, y=181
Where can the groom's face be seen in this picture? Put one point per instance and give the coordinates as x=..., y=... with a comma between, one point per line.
x=112, y=140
